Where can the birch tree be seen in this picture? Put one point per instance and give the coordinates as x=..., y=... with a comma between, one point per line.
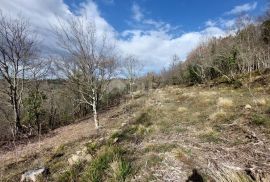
x=131, y=67
x=90, y=61
x=17, y=48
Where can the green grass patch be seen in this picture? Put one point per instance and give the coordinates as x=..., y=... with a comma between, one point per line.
x=144, y=119
x=73, y=173
x=135, y=132
x=120, y=169
x=211, y=137
x=153, y=159
x=98, y=169
x=92, y=147
x=260, y=120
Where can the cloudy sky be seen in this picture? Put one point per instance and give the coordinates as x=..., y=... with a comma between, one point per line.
x=152, y=30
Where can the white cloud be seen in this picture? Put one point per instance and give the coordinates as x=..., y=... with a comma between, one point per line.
x=242, y=8
x=210, y=23
x=44, y=15
x=154, y=46
x=136, y=12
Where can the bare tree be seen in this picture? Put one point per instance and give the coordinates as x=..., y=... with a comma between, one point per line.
x=33, y=103
x=90, y=62
x=17, y=48
x=131, y=68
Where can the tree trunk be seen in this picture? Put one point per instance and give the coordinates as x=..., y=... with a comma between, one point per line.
x=17, y=119
x=95, y=114
x=131, y=90
x=94, y=106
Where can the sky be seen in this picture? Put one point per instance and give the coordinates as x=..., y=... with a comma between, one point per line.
x=151, y=30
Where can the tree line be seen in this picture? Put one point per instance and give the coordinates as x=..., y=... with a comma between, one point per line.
x=245, y=50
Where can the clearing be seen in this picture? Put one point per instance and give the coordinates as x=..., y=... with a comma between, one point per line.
x=169, y=134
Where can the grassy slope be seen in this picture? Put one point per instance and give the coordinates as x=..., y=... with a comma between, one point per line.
x=172, y=134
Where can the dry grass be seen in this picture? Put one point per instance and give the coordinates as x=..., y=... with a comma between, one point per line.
x=216, y=115
x=260, y=101
x=189, y=94
x=208, y=93
x=224, y=102
x=187, y=129
x=60, y=136
x=182, y=109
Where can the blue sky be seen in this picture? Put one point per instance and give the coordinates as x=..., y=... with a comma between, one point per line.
x=152, y=30
x=190, y=15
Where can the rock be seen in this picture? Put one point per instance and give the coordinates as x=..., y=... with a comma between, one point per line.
x=74, y=159
x=123, y=124
x=88, y=157
x=115, y=140
x=101, y=139
x=33, y=174
x=248, y=107
x=84, y=150
x=79, y=156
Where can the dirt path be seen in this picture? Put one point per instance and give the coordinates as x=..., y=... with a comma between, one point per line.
x=60, y=136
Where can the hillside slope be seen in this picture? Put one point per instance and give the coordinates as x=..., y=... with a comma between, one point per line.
x=168, y=134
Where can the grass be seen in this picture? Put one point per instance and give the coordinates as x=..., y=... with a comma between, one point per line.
x=144, y=119
x=72, y=174
x=153, y=159
x=105, y=158
x=160, y=148
x=183, y=155
x=120, y=170
x=172, y=121
x=260, y=120
x=135, y=132
x=92, y=147
x=210, y=136
x=224, y=102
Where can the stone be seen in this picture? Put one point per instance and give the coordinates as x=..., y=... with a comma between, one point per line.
x=88, y=157
x=79, y=156
x=115, y=140
x=101, y=139
x=248, y=107
x=74, y=159
x=33, y=174
x=84, y=149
